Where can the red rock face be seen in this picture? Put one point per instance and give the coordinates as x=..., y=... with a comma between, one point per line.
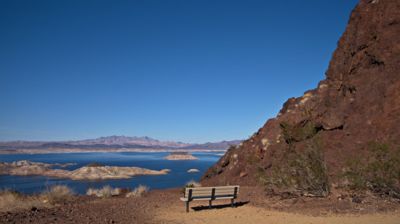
x=358, y=102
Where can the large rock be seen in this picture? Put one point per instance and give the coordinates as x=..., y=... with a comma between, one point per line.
x=358, y=102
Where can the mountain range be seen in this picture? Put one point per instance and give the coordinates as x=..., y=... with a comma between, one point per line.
x=115, y=142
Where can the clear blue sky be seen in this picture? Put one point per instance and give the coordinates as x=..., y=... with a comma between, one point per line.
x=187, y=70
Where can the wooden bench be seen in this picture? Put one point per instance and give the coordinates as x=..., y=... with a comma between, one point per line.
x=209, y=194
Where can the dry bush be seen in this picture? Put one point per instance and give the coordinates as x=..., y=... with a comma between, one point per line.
x=138, y=192
x=378, y=172
x=91, y=191
x=11, y=200
x=299, y=132
x=104, y=192
x=299, y=173
x=58, y=194
x=193, y=183
x=116, y=191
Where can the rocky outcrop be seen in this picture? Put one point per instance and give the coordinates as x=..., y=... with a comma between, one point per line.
x=358, y=103
x=112, y=172
x=25, y=168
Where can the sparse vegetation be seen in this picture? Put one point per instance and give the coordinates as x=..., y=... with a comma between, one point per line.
x=107, y=191
x=213, y=171
x=379, y=172
x=298, y=132
x=58, y=194
x=12, y=200
x=193, y=183
x=104, y=192
x=299, y=173
x=138, y=191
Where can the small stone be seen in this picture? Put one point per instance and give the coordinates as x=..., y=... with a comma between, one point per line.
x=356, y=199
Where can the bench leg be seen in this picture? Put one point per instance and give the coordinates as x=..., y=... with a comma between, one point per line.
x=187, y=206
x=209, y=204
x=232, y=202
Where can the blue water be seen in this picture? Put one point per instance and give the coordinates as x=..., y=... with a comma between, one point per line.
x=176, y=178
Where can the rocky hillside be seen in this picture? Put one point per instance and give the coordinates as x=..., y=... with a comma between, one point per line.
x=351, y=119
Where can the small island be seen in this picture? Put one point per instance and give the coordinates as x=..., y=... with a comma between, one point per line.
x=90, y=172
x=180, y=156
x=193, y=171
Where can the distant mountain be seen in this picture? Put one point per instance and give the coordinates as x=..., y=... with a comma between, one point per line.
x=214, y=145
x=126, y=140
x=115, y=142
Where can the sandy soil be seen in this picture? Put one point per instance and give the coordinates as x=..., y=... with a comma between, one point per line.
x=251, y=214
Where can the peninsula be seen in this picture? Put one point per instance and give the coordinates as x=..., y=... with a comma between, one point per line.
x=100, y=172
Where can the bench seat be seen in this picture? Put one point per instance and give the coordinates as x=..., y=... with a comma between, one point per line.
x=209, y=194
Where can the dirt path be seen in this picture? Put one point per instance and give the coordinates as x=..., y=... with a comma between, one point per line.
x=250, y=214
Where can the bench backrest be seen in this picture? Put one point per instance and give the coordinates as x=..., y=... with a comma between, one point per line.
x=211, y=192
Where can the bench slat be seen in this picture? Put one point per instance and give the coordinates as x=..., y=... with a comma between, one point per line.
x=209, y=188
x=219, y=191
x=207, y=199
x=209, y=193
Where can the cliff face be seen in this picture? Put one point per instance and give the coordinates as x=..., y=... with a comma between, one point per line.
x=358, y=103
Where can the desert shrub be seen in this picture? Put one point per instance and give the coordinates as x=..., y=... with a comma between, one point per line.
x=138, y=191
x=213, y=171
x=91, y=192
x=354, y=174
x=298, y=132
x=12, y=200
x=104, y=192
x=299, y=173
x=191, y=183
x=58, y=194
x=379, y=172
x=9, y=199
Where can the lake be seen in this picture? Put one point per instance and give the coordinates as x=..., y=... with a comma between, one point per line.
x=176, y=178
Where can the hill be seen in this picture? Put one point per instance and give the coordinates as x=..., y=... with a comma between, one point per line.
x=343, y=134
